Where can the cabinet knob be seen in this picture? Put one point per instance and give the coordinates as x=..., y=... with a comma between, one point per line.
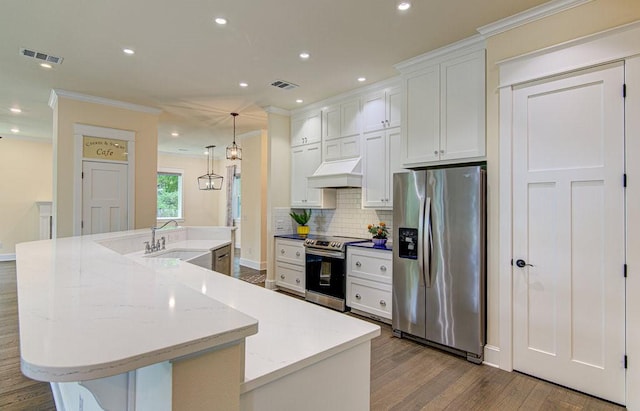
x=282, y=276
x=282, y=251
x=297, y=253
x=358, y=264
x=383, y=303
x=297, y=280
x=383, y=268
x=382, y=122
x=435, y=152
x=441, y=151
x=358, y=296
x=387, y=122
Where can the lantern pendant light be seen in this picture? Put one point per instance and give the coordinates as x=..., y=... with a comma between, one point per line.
x=210, y=181
x=233, y=151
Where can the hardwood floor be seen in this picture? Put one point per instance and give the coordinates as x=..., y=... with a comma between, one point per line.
x=404, y=375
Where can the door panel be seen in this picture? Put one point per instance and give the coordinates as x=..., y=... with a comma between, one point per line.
x=104, y=197
x=568, y=223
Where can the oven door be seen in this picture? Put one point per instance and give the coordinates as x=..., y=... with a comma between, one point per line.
x=325, y=275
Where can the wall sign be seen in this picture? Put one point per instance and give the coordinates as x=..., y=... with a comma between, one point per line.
x=104, y=148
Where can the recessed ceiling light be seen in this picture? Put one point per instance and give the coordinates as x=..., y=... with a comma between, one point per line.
x=404, y=5
x=128, y=51
x=243, y=84
x=221, y=21
x=45, y=65
x=15, y=130
x=299, y=100
x=174, y=134
x=15, y=110
x=361, y=79
x=304, y=55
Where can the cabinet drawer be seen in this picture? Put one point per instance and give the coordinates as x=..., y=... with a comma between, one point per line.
x=290, y=251
x=369, y=297
x=290, y=276
x=370, y=264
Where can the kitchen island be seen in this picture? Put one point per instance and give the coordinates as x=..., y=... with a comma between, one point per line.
x=90, y=312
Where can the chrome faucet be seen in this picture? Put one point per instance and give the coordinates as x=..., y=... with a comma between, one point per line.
x=155, y=245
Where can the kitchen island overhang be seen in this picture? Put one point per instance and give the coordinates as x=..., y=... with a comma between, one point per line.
x=129, y=311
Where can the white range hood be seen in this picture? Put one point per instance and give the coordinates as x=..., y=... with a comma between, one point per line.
x=337, y=174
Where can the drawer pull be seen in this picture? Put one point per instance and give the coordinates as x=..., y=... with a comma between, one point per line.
x=358, y=264
x=358, y=297
x=297, y=253
x=297, y=280
x=383, y=268
x=282, y=251
x=383, y=303
x=282, y=276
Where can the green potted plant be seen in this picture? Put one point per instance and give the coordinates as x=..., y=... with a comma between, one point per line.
x=302, y=219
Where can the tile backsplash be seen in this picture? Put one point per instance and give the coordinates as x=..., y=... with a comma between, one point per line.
x=348, y=219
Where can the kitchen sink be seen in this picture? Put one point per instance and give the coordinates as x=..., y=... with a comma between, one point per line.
x=181, y=254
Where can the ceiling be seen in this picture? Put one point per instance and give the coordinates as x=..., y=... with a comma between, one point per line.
x=190, y=68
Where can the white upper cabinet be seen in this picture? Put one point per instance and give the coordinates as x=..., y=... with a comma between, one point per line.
x=341, y=120
x=382, y=158
x=305, y=159
x=444, y=108
x=306, y=128
x=382, y=109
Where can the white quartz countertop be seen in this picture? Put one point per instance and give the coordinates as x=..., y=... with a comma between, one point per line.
x=87, y=310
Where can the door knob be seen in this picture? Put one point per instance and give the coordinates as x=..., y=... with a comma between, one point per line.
x=522, y=264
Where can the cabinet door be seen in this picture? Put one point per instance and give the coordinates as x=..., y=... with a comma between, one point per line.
x=297, y=130
x=421, y=113
x=312, y=159
x=462, y=117
x=350, y=118
x=313, y=128
x=331, y=122
x=394, y=107
x=298, y=177
x=376, y=176
x=374, y=112
x=395, y=161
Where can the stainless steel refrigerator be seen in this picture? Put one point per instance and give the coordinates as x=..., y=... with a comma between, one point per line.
x=439, y=258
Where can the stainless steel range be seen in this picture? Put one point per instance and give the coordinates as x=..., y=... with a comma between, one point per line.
x=326, y=270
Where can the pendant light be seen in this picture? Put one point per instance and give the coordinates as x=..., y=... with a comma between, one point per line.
x=210, y=181
x=233, y=151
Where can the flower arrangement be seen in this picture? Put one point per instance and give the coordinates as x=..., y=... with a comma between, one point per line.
x=378, y=231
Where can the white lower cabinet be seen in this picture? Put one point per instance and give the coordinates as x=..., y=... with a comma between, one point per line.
x=369, y=282
x=290, y=260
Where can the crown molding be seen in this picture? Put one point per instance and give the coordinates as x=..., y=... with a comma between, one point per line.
x=473, y=43
x=57, y=93
x=528, y=16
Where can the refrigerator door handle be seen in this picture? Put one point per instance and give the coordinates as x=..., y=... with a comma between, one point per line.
x=420, y=245
x=426, y=243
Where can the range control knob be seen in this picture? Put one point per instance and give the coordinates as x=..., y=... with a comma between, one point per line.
x=338, y=245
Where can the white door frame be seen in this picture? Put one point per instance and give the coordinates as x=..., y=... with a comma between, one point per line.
x=81, y=130
x=612, y=45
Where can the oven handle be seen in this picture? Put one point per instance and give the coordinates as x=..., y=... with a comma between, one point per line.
x=322, y=253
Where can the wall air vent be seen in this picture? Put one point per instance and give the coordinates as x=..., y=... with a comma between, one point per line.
x=38, y=55
x=284, y=85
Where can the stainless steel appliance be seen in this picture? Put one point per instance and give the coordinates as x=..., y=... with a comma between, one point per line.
x=326, y=270
x=439, y=258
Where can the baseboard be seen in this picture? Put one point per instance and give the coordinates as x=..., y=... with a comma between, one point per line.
x=8, y=257
x=270, y=285
x=491, y=356
x=256, y=265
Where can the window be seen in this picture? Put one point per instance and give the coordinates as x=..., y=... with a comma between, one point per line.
x=169, y=194
x=236, y=203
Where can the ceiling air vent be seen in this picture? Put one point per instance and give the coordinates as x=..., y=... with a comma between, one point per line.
x=284, y=85
x=38, y=55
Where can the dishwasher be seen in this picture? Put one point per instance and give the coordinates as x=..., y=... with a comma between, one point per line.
x=222, y=260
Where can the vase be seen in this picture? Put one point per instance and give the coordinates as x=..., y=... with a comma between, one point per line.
x=379, y=242
x=303, y=230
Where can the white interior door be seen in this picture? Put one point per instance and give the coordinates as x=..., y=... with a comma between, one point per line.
x=104, y=197
x=568, y=223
